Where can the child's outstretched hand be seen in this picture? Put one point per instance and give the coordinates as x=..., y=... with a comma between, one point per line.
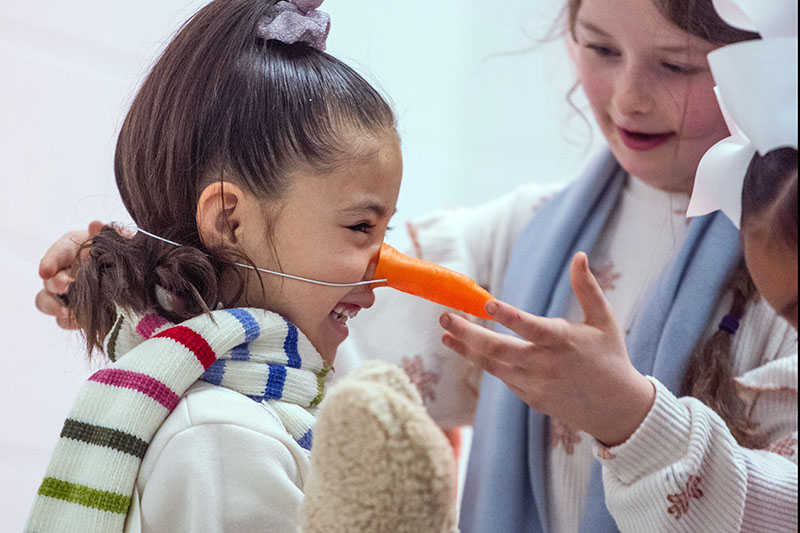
x=56, y=268
x=579, y=373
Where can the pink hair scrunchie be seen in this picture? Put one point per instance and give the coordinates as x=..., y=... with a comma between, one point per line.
x=296, y=21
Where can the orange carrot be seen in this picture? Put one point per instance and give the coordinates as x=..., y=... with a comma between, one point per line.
x=431, y=281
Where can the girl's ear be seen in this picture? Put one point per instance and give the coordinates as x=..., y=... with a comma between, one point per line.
x=219, y=211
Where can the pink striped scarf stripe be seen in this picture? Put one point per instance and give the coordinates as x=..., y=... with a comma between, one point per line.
x=143, y=383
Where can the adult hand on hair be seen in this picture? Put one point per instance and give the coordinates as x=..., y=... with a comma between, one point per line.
x=56, y=268
x=579, y=373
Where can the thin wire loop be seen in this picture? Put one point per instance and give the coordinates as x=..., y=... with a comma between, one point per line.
x=290, y=276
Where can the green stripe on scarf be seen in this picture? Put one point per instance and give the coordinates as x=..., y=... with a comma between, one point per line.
x=86, y=496
x=111, y=349
x=320, y=385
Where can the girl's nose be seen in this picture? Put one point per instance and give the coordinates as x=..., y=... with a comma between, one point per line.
x=373, y=263
x=633, y=93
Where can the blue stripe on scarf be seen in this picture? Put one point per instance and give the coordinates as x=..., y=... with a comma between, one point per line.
x=251, y=328
x=290, y=346
x=241, y=352
x=274, y=388
x=305, y=440
x=214, y=373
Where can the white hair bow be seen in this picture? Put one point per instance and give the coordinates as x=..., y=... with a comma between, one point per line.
x=757, y=92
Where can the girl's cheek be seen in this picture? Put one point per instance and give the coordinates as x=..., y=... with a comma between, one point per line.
x=703, y=117
x=355, y=266
x=594, y=84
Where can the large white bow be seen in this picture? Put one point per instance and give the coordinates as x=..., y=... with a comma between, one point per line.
x=757, y=92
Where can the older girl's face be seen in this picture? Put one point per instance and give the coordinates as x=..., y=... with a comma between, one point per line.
x=329, y=227
x=650, y=89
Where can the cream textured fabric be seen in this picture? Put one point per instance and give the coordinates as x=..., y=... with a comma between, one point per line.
x=379, y=463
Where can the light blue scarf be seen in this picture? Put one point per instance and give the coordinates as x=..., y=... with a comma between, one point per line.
x=506, y=483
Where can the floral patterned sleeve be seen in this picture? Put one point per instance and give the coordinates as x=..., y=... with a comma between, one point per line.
x=404, y=329
x=682, y=470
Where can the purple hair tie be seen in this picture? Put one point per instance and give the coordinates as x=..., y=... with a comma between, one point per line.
x=296, y=21
x=729, y=323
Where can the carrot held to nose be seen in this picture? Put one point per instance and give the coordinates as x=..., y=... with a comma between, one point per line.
x=431, y=281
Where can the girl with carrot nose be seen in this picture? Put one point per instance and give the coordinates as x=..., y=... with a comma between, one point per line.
x=246, y=146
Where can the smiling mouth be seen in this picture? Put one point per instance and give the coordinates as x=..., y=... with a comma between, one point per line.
x=636, y=140
x=341, y=313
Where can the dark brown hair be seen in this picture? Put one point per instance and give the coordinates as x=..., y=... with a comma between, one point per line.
x=709, y=376
x=696, y=17
x=770, y=180
x=220, y=104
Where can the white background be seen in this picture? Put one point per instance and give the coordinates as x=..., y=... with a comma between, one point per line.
x=482, y=108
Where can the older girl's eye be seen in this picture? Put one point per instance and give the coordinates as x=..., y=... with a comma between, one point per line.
x=602, y=51
x=363, y=227
x=678, y=69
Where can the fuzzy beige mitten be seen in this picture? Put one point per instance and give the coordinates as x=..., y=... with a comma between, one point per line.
x=379, y=463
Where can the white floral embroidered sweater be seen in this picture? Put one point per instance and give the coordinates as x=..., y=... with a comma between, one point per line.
x=678, y=434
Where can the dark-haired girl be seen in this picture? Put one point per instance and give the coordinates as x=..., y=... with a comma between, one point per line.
x=246, y=146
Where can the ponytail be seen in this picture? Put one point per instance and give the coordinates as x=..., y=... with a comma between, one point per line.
x=140, y=274
x=709, y=377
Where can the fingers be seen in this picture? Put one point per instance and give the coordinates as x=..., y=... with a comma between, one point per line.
x=541, y=330
x=488, y=349
x=50, y=305
x=66, y=322
x=508, y=358
x=61, y=255
x=58, y=284
x=94, y=228
x=596, y=310
x=55, y=268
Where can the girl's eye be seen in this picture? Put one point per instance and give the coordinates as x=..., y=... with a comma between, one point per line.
x=678, y=69
x=602, y=51
x=363, y=227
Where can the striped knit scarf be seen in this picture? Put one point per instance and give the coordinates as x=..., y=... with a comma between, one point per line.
x=91, y=476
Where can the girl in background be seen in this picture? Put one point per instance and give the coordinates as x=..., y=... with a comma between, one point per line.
x=727, y=463
x=247, y=145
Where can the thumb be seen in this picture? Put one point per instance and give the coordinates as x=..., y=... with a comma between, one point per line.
x=596, y=310
x=94, y=228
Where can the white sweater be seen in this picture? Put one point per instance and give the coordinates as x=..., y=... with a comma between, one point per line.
x=220, y=462
x=477, y=242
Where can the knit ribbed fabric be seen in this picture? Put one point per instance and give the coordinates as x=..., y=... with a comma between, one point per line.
x=683, y=471
x=90, y=479
x=646, y=230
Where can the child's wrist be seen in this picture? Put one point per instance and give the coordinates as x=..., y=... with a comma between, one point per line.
x=634, y=407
